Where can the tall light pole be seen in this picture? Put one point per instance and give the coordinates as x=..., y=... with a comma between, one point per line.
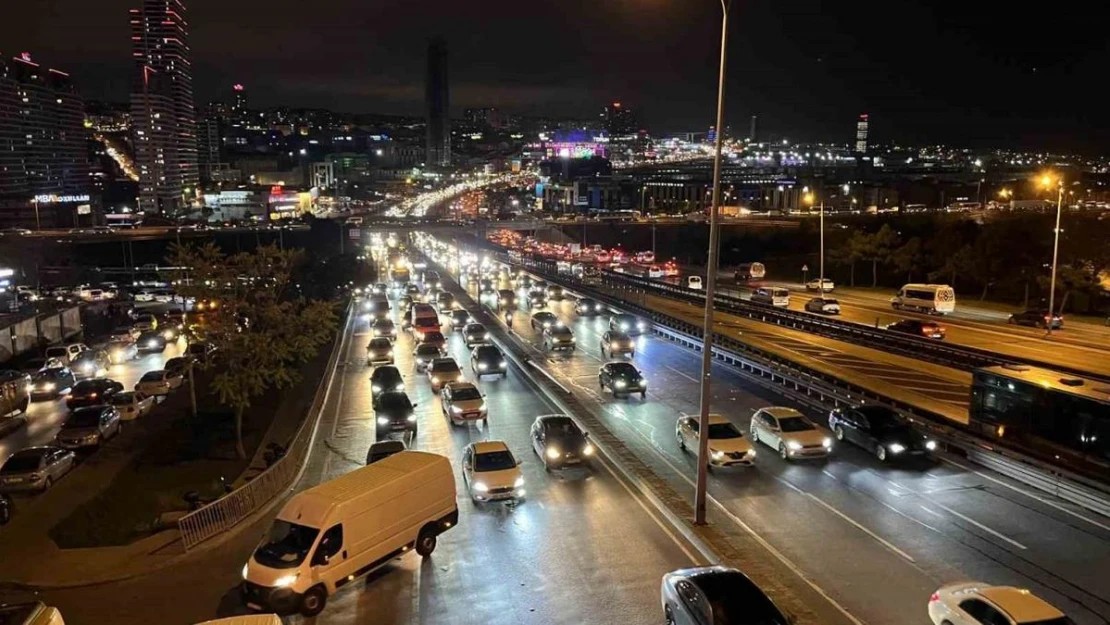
x=711, y=283
x=808, y=199
x=1046, y=181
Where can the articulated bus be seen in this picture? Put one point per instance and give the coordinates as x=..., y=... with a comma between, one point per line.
x=1047, y=411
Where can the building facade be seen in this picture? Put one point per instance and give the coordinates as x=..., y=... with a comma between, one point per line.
x=437, y=104
x=163, y=115
x=44, y=166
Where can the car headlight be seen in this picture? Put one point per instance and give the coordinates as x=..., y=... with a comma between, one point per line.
x=519, y=482
x=376, y=388
x=930, y=445
x=480, y=487
x=286, y=580
x=624, y=326
x=896, y=448
x=588, y=450
x=456, y=409
x=412, y=418
x=389, y=354
x=502, y=364
x=482, y=366
x=620, y=384
x=716, y=455
x=552, y=452
x=400, y=388
x=245, y=567
x=152, y=343
x=485, y=336
x=419, y=361
x=793, y=445
x=598, y=308
x=383, y=420
x=49, y=386
x=435, y=379
x=641, y=325
x=826, y=442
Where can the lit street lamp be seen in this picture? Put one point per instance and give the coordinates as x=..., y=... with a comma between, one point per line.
x=1046, y=181
x=711, y=283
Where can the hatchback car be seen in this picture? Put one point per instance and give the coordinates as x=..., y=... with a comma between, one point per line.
x=158, y=382
x=879, y=430
x=488, y=360
x=475, y=334
x=462, y=402
x=35, y=468
x=714, y=595
x=491, y=472
x=823, y=306
x=132, y=404
x=90, y=426
x=384, y=328
x=727, y=445
x=613, y=343
x=559, y=442
x=393, y=412
x=559, y=337
x=976, y=603
x=622, y=378
x=791, y=434
x=1036, y=319
x=925, y=329
x=383, y=380
x=92, y=392
x=443, y=371
x=627, y=324
x=379, y=351
x=536, y=299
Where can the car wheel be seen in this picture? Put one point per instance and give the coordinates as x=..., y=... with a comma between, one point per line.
x=668, y=615
x=782, y=452
x=880, y=453
x=643, y=395
x=426, y=542
x=839, y=431
x=313, y=601
x=47, y=483
x=681, y=443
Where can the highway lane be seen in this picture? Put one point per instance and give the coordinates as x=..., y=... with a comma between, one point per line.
x=879, y=538
x=581, y=548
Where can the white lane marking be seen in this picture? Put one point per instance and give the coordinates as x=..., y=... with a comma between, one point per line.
x=994, y=533
x=1029, y=494
x=861, y=528
x=685, y=375
x=932, y=512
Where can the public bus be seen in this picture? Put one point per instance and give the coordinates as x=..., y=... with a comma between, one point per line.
x=1043, y=410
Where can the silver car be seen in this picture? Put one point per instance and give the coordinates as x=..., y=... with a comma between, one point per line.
x=35, y=469
x=90, y=426
x=716, y=594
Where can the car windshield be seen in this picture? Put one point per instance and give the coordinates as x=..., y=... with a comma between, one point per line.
x=426, y=349
x=545, y=317
x=734, y=599
x=494, y=461
x=561, y=331
x=386, y=375
x=153, y=376
x=465, y=394
x=434, y=337
x=394, y=401
x=286, y=546
x=882, y=419
x=444, y=366
x=55, y=352
x=718, y=431
x=380, y=343
x=88, y=386
x=795, y=424
x=619, y=337
x=23, y=461
x=82, y=419
x=623, y=369
x=460, y=314
x=383, y=324
x=487, y=352
x=561, y=428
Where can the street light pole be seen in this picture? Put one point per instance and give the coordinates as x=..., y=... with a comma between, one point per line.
x=1055, y=254
x=711, y=284
x=821, y=263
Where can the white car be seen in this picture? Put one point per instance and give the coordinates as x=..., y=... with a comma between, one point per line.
x=492, y=473
x=790, y=433
x=694, y=282
x=122, y=351
x=132, y=404
x=144, y=296
x=976, y=603
x=824, y=286
x=727, y=445
x=158, y=382
x=462, y=402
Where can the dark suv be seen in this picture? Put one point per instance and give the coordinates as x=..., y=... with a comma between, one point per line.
x=393, y=412
x=879, y=430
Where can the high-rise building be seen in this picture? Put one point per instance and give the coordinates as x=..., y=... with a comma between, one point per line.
x=488, y=117
x=751, y=131
x=861, y=134
x=209, y=144
x=437, y=105
x=163, y=116
x=620, y=122
x=44, y=167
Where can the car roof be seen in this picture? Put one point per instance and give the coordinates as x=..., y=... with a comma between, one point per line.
x=1022, y=605
x=781, y=412
x=486, y=447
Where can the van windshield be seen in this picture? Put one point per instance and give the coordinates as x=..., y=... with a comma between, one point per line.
x=286, y=546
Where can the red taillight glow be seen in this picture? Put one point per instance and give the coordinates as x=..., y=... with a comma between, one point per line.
x=934, y=597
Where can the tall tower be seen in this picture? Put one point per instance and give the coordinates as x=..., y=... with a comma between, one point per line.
x=751, y=131
x=163, y=117
x=861, y=134
x=437, y=106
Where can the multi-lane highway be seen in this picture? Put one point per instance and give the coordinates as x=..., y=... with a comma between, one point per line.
x=877, y=538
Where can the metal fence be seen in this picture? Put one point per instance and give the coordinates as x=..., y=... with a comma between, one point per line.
x=229, y=510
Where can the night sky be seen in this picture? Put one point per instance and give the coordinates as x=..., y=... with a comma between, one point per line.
x=975, y=72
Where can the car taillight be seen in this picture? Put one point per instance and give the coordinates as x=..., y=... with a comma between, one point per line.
x=934, y=597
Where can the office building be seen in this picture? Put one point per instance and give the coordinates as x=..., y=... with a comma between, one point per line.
x=44, y=168
x=483, y=118
x=163, y=117
x=210, y=132
x=437, y=104
x=620, y=122
x=861, y=134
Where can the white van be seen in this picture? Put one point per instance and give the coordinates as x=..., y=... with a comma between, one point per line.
x=937, y=299
x=36, y=613
x=330, y=534
x=246, y=619
x=772, y=295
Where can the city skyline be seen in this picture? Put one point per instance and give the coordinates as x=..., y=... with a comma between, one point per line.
x=969, y=79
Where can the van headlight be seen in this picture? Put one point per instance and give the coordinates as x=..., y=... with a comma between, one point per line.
x=286, y=580
x=383, y=420
x=793, y=445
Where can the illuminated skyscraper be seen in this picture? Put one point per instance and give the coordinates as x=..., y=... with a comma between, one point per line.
x=437, y=103
x=861, y=134
x=162, y=111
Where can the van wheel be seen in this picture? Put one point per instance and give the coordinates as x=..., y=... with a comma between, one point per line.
x=426, y=542
x=313, y=601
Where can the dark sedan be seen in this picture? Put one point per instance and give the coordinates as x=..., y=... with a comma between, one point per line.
x=924, y=329
x=488, y=360
x=151, y=341
x=385, y=379
x=543, y=320
x=92, y=392
x=622, y=378
x=628, y=324
x=880, y=430
x=717, y=595
x=588, y=307
x=559, y=442
x=475, y=334
x=393, y=412
x=613, y=343
x=52, y=383
x=1037, y=319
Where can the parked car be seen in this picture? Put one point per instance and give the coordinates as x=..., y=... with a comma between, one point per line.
x=622, y=378
x=132, y=404
x=487, y=359
x=977, y=603
x=879, y=430
x=559, y=442
x=178, y=365
x=92, y=392
x=924, y=329
x=200, y=352
x=89, y=426
x=35, y=468
x=613, y=343
x=491, y=472
x=727, y=445
x=158, y=382
x=1036, y=319
x=713, y=595
x=52, y=383
x=791, y=434
x=381, y=450
x=823, y=306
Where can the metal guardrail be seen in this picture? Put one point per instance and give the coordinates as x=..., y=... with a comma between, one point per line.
x=229, y=510
x=822, y=392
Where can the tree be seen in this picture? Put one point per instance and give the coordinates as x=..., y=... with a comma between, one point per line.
x=909, y=257
x=262, y=329
x=1075, y=278
x=962, y=263
x=878, y=248
x=849, y=252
